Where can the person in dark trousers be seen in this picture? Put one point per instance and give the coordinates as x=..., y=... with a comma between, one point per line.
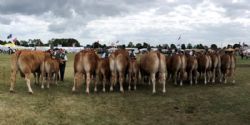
x=10, y=51
x=241, y=54
x=62, y=66
x=61, y=54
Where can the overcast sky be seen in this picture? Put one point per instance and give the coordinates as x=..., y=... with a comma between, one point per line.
x=152, y=21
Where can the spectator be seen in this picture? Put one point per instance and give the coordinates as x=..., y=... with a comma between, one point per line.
x=160, y=50
x=61, y=54
x=132, y=54
x=62, y=66
x=149, y=48
x=105, y=53
x=191, y=53
x=241, y=54
x=56, y=53
x=10, y=51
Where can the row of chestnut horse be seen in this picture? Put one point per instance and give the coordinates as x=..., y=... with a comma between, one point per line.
x=118, y=67
x=152, y=65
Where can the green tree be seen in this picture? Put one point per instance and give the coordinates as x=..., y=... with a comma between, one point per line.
x=159, y=46
x=73, y=42
x=64, y=42
x=17, y=42
x=96, y=44
x=183, y=46
x=123, y=46
x=236, y=46
x=131, y=45
x=165, y=46
x=88, y=46
x=2, y=42
x=103, y=45
x=24, y=43
x=35, y=42
x=229, y=46
x=199, y=46
x=145, y=45
x=139, y=45
x=173, y=46
x=213, y=46
x=189, y=46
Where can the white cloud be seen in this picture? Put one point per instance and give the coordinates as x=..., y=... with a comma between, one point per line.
x=171, y=1
x=156, y=21
x=192, y=22
x=238, y=1
x=24, y=26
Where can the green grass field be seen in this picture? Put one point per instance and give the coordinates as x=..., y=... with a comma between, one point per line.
x=217, y=104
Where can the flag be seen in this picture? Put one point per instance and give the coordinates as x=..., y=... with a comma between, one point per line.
x=9, y=36
x=14, y=40
x=179, y=37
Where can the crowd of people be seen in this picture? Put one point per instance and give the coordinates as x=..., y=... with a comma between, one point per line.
x=7, y=50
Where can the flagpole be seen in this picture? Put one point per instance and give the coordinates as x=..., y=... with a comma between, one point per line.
x=178, y=43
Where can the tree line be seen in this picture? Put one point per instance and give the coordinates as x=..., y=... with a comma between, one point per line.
x=37, y=42
x=163, y=46
x=73, y=42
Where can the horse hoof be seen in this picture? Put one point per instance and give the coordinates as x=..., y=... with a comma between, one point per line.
x=12, y=91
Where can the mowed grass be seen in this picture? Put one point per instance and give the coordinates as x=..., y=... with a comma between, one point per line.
x=188, y=105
